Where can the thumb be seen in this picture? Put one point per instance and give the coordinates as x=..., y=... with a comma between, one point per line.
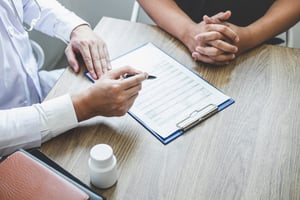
x=217, y=18
x=71, y=57
x=223, y=16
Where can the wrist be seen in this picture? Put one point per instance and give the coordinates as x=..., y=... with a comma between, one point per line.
x=82, y=108
x=187, y=36
x=247, y=41
x=79, y=28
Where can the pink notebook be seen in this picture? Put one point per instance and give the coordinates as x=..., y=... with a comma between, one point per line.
x=23, y=178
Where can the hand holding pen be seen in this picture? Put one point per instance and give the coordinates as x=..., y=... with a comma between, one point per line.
x=110, y=95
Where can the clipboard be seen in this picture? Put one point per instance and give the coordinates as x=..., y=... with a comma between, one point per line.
x=177, y=100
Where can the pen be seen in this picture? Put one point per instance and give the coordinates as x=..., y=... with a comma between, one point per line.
x=130, y=75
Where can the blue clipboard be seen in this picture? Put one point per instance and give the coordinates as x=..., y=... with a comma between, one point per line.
x=186, y=124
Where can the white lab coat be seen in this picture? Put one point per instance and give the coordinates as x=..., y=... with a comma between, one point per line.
x=21, y=124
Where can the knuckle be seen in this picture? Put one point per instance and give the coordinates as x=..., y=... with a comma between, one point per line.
x=223, y=28
x=139, y=87
x=96, y=59
x=219, y=35
x=92, y=42
x=87, y=59
x=115, y=89
x=214, y=52
x=119, y=100
x=123, y=110
x=137, y=80
x=83, y=43
x=103, y=45
x=218, y=43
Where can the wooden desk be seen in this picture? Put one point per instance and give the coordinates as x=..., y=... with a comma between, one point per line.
x=251, y=150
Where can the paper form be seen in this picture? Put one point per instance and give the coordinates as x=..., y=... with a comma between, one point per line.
x=174, y=95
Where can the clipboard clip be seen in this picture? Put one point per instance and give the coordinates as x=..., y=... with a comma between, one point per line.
x=197, y=116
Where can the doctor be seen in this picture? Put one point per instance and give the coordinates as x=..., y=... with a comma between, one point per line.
x=25, y=122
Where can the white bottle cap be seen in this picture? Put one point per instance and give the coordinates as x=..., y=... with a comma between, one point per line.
x=101, y=155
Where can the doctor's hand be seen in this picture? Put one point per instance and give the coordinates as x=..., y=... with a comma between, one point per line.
x=110, y=95
x=92, y=49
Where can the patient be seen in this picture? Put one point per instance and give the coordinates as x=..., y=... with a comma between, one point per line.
x=217, y=31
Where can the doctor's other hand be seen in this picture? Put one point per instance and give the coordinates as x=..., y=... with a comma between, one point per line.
x=110, y=95
x=92, y=49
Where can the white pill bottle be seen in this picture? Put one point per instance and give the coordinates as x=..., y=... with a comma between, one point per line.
x=102, y=166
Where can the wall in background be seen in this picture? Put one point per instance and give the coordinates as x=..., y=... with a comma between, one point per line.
x=92, y=11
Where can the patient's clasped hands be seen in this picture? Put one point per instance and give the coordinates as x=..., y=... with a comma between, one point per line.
x=213, y=40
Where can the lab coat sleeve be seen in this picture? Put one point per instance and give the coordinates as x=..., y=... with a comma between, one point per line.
x=27, y=127
x=19, y=128
x=55, y=20
x=57, y=116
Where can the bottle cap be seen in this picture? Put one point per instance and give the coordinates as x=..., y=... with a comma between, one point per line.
x=101, y=155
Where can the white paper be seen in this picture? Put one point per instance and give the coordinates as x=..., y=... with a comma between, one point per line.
x=174, y=95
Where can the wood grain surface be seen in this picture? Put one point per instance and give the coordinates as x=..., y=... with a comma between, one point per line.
x=249, y=151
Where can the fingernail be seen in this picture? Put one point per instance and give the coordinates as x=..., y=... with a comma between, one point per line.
x=194, y=56
x=94, y=75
